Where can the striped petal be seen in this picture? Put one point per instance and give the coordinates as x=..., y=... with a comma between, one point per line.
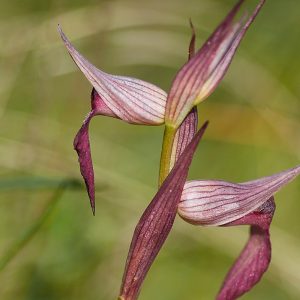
x=200, y=75
x=184, y=135
x=155, y=224
x=255, y=258
x=211, y=202
x=188, y=128
x=132, y=100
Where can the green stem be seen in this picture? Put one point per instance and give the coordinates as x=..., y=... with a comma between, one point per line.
x=166, y=152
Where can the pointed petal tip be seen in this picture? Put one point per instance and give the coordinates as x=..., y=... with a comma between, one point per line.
x=193, y=40
x=60, y=31
x=65, y=39
x=205, y=124
x=93, y=208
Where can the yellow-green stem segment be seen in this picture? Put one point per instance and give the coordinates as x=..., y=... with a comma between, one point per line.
x=166, y=152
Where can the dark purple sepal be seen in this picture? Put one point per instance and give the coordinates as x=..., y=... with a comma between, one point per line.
x=184, y=135
x=155, y=224
x=82, y=146
x=256, y=255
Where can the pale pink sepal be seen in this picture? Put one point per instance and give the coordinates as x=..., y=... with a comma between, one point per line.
x=214, y=202
x=132, y=100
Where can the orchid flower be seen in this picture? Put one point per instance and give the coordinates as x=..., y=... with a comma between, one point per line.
x=138, y=102
x=217, y=203
x=199, y=202
x=200, y=76
x=220, y=203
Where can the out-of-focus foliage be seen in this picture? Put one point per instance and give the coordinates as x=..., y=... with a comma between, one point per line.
x=254, y=131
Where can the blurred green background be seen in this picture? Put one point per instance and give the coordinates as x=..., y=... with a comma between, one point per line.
x=51, y=247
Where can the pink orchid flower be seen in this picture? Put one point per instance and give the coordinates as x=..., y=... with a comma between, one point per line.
x=138, y=102
x=199, y=202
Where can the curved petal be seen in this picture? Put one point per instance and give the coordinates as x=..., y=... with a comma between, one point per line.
x=200, y=75
x=132, y=100
x=255, y=258
x=211, y=202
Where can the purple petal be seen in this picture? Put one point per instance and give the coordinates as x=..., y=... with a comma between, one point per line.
x=255, y=257
x=218, y=72
x=132, y=100
x=200, y=76
x=184, y=135
x=82, y=144
x=155, y=224
x=188, y=128
x=82, y=147
x=213, y=202
x=99, y=107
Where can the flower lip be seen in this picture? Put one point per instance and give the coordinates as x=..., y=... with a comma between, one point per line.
x=82, y=146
